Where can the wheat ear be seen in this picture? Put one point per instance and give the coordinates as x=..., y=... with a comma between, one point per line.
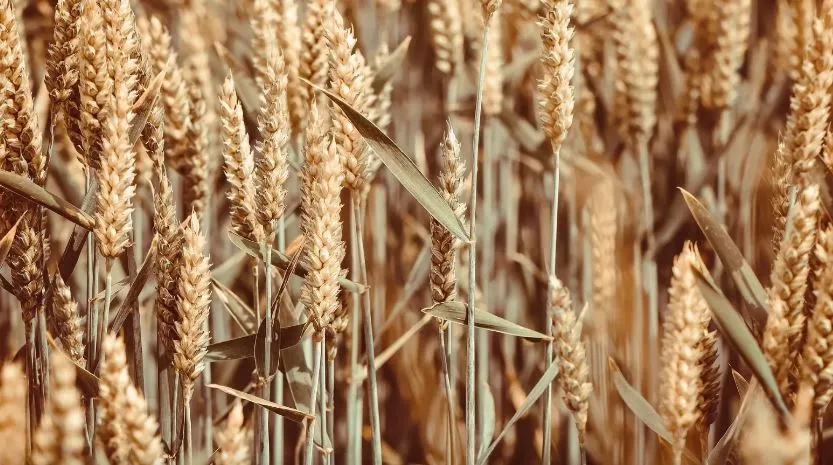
x=446, y=24
x=95, y=84
x=13, y=414
x=59, y=439
x=817, y=357
x=233, y=441
x=62, y=68
x=66, y=321
x=315, y=53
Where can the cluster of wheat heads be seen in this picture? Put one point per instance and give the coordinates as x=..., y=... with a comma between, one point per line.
x=225, y=227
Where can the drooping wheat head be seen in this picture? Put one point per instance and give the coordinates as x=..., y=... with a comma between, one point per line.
x=66, y=322
x=444, y=246
x=271, y=166
x=321, y=179
x=127, y=430
x=238, y=165
x=60, y=437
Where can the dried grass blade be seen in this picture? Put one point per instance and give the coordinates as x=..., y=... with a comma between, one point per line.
x=241, y=347
x=402, y=167
x=741, y=383
x=286, y=412
x=393, y=63
x=30, y=191
x=730, y=323
x=78, y=239
x=86, y=381
x=488, y=431
x=546, y=379
x=247, y=89
x=143, y=107
x=242, y=314
x=743, y=276
x=640, y=407
x=456, y=313
x=136, y=287
x=6, y=241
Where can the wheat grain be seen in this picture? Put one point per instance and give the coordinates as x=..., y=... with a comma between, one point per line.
x=315, y=53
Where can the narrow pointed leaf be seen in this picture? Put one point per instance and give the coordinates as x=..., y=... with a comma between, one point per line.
x=488, y=419
x=78, y=239
x=456, y=313
x=136, y=287
x=282, y=262
x=740, y=271
x=239, y=311
x=30, y=191
x=741, y=383
x=393, y=63
x=144, y=106
x=730, y=323
x=286, y=412
x=546, y=379
x=8, y=238
x=241, y=347
x=640, y=407
x=402, y=167
x=720, y=451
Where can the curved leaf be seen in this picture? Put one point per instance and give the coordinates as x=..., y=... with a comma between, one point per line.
x=640, y=407
x=144, y=106
x=8, y=238
x=402, y=167
x=393, y=63
x=286, y=412
x=456, y=313
x=30, y=191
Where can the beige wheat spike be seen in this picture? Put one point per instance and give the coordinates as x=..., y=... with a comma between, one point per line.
x=24, y=262
x=446, y=24
x=288, y=34
x=174, y=92
x=66, y=321
x=232, y=441
x=603, y=249
x=817, y=357
x=238, y=165
x=263, y=22
x=198, y=74
x=195, y=164
x=785, y=327
x=169, y=243
x=709, y=400
x=321, y=179
x=113, y=220
x=19, y=124
x=574, y=371
x=558, y=62
x=127, y=429
x=192, y=305
x=786, y=35
x=95, y=84
x=122, y=45
x=271, y=166
x=490, y=7
x=349, y=81
x=638, y=67
x=60, y=437
x=13, y=425
x=781, y=177
x=444, y=245
x=314, y=55
x=62, y=68
x=731, y=20
x=493, y=81
x=764, y=439
x=682, y=351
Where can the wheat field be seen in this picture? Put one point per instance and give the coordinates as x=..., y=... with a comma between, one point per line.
x=431, y=232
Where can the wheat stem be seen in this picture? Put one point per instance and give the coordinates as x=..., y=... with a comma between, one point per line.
x=323, y=396
x=188, y=440
x=267, y=356
x=353, y=413
x=316, y=373
x=449, y=393
x=547, y=425
x=331, y=404
x=277, y=384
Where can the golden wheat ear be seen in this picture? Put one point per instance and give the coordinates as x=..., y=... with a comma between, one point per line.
x=66, y=321
x=233, y=440
x=60, y=437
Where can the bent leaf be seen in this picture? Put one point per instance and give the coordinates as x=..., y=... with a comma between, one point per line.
x=402, y=167
x=393, y=63
x=144, y=106
x=241, y=347
x=640, y=407
x=8, y=238
x=286, y=412
x=32, y=192
x=239, y=311
x=743, y=276
x=735, y=330
x=136, y=287
x=456, y=313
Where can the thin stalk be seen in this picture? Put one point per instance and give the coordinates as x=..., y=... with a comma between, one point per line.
x=353, y=412
x=324, y=396
x=259, y=419
x=375, y=428
x=449, y=394
x=277, y=384
x=43, y=345
x=486, y=265
x=108, y=297
x=546, y=451
x=316, y=373
x=174, y=409
x=92, y=317
x=163, y=392
x=189, y=446
x=471, y=446
x=267, y=357
x=331, y=405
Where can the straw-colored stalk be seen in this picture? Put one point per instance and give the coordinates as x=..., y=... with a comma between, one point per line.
x=59, y=439
x=126, y=428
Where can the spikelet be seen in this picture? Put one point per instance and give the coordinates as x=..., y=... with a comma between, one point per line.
x=785, y=328
x=314, y=55
x=60, y=438
x=65, y=321
x=232, y=441
x=24, y=261
x=19, y=124
x=62, y=68
x=603, y=250
x=709, y=400
x=781, y=174
x=637, y=62
x=682, y=350
x=173, y=93
x=445, y=22
x=574, y=372
x=113, y=221
x=809, y=105
x=817, y=358
x=349, y=81
x=321, y=179
x=493, y=81
x=13, y=414
x=272, y=167
x=128, y=431
x=444, y=245
x=731, y=20
x=239, y=165
x=558, y=63
x=95, y=84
